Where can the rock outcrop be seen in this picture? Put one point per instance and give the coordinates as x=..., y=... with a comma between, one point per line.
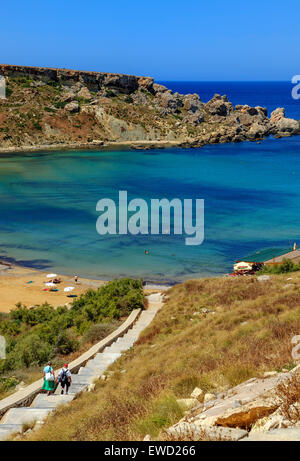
x=253, y=410
x=51, y=107
x=92, y=80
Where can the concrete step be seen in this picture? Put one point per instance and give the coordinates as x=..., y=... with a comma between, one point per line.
x=132, y=338
x=107, y=356
x=128, y=343
x=98, y=363
x=73, y=389
x=95, y=368
x=81, y=380
x=120, y=347
x=6, y=430
x=51, y=401
x=90, y=372
x=123, y=340
x=114, y=346
x=104, y=358
x=25, y=415
x=132, y=332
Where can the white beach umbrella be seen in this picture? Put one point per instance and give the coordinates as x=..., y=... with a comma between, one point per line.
x=50, y=276
x=69, y=289
x=242, y=265
x=50, y=284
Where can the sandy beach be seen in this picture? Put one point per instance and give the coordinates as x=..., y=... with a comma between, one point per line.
x=14, y=287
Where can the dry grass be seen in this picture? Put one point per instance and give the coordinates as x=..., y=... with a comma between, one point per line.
x=248, y=332
x=289, y=398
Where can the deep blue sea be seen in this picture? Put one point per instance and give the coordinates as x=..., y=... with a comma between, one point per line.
x=251, y=191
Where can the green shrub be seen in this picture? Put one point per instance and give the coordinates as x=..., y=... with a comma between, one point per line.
x=8, y=91
x=49, y=109
x=65, y=344
x=30, y=350
x=8, y=383
x=37, y=126
x=129, y=100
x=286, y=266
x=109, y=94
x=165, y=412
x=33, y=316
x=98, y=332
x=54, y=84
x=60, y=104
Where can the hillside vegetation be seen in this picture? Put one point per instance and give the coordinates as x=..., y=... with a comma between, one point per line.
x=35, y=335
x=211, y=333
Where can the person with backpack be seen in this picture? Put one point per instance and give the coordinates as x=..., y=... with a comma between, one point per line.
x=49, y=379
x=64, y=378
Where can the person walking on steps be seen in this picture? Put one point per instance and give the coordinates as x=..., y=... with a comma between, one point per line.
x=64, y=378
x=49, y=379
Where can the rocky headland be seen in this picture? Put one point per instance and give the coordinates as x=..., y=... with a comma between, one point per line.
x=58, y=108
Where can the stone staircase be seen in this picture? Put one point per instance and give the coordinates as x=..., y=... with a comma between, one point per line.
x=15, y=418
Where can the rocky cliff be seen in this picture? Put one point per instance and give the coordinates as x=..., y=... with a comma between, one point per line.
x=51, y=107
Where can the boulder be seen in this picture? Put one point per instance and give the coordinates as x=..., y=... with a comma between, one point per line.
x=197, y=393
x=169, y=102
x=287, y=125
x=277, y=114
x=159, y=88
x=219, y=105
x=192, y=103
x=146, y=83
x=246, y=415
x=274, y=421
x=252, y=111
x=194, y=118
x=84, y=93
x=68, y=97
x=280, y=124
x=257, y=131
x=72, y=107
x=140, y=98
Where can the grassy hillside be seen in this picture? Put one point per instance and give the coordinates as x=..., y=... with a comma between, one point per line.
x=211, y=333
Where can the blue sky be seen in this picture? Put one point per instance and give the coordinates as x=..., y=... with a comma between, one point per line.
x=169, y=40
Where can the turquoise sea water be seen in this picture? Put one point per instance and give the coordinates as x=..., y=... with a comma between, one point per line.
x=48, y=208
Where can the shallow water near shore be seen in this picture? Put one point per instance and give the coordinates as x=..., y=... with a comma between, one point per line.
x=48, y=208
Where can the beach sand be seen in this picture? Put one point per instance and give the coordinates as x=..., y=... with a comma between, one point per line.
x=14, y=287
